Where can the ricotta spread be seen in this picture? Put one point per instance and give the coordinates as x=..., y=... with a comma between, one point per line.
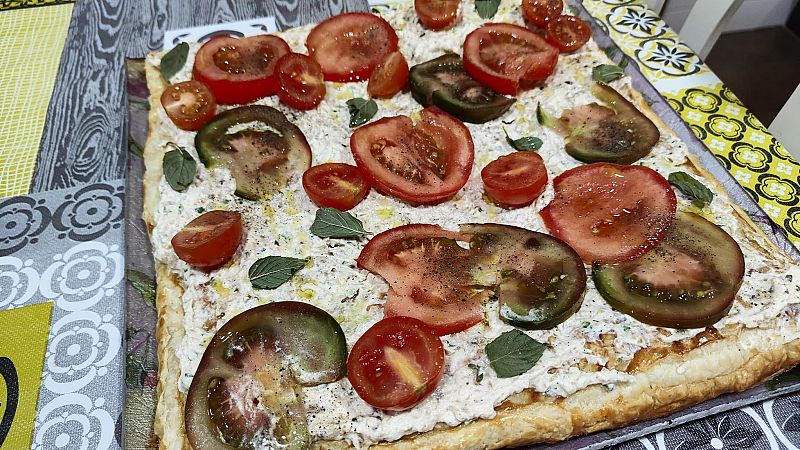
x=354, y=297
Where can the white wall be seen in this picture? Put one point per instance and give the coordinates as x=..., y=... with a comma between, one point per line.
x=751, y=15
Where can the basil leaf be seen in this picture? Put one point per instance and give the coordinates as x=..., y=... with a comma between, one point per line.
x=486, y=8
x=611, y=52
x=179, y=168
x=332, y=223
x=143, y=284
x=135, y=148
x=623, y=63
x=361, y=110
x=528, y=143
x=513, y=353
x=273, y=271
x=695, y=190
x=605, y=73
x=174, y=60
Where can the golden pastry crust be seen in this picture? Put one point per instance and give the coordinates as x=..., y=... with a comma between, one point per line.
x=677, y=377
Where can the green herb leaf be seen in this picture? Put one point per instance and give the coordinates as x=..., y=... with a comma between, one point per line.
x=623, y=63
x=361, y=110
x=478, y=372
x=527, y=143
x=541, y=116
x=332, y=223
x=174, y=60
x=611, y=52
x=606, y=73
x=273, y=271
x=695, y=190
x=143, y=284
x=487, y=8
x=791, y=376
x=135, y=148
x=513, y=353
x=179, y=168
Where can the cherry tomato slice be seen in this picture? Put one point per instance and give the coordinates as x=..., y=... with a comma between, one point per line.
x=239, y=70
x=568, y=33
x=516, y=179
x=390, y=77
x=189, y=104
x=437, y=14
x=422, y=163
x=336, y=185
x=610, y=213
x=396, y=363
x=349, y=46
x=506, y=57
x=300, y=81
x=210, y=240
x=429, y=275
x=538, y=12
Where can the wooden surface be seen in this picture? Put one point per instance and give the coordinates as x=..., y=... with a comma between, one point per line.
x=84, y=138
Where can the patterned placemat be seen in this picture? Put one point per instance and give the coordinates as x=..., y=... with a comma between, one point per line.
x=32, y=42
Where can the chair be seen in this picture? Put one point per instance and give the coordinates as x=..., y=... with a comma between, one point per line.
x=705, y=23
x=786, y=126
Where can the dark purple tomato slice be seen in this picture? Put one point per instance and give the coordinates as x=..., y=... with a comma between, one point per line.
x=688, y=281
x=248, y=387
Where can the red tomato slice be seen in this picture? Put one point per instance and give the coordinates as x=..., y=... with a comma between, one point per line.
x=568, y=33
x=396, y=363
x=428, y=275
x=437, y=14
x=300, y=81
x=422, y=163
x=506, y=57
x=210, y=240
x=390, y=77
x=239, y=70
x=610, y=213
x=538, y=12
x=336, y=185
x=516, y=179
x=349, y=46
x=189, y=104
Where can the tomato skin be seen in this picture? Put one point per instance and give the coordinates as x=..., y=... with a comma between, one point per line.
x=610, y=213
x=568, y=33
x=506, y=57
x=539, y=12
x=389, y=77
x=250, y=78
x=437, y=14
x=189, y=104
x=516, y=179
x=405, y=139
x=349, y=46
x=335, y=185
x=300, y=81
x=210, y=240
x=396, y=364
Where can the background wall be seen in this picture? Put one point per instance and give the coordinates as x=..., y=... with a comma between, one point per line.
x=751, y=15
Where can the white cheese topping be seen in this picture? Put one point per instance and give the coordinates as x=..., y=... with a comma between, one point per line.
x=280, y=227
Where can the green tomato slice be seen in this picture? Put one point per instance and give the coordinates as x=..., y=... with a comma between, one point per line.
x=443, y=82
x=247, y=391
x=688, y=281
x=258, y=145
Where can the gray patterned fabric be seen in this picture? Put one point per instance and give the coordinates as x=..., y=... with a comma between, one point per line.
x=66, y=246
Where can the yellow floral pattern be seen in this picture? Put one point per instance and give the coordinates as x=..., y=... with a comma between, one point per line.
x=738, y=139
x=17, y=4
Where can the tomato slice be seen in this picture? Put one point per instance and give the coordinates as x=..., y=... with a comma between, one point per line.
x=396, y=363
x=189, y=104
x=336, y=185
x=239, y=70
x=422, y=163
x=437, y=14
x=210, y=240
x=300, y=81
x=568, y=33
x=428, y=275
x=610, y=213
x=506, y=57
x=538, y=12
x=516, y=179
x=389, y=77
x=349, y=46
